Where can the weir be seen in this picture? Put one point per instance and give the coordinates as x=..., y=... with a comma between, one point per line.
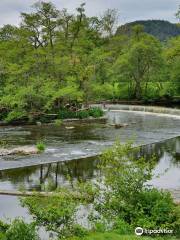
x=137, y=108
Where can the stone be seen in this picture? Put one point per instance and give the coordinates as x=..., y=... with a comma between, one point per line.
x=25, y=150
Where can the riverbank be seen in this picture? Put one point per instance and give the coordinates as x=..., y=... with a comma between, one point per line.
x=58, y=117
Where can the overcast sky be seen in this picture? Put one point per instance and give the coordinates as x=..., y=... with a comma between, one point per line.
x=129, y=10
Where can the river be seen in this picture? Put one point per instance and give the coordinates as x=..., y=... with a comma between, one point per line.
x=74, y=152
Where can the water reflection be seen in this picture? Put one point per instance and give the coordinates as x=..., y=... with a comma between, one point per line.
x=58, y=174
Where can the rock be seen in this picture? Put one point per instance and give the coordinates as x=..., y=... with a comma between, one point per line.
x=119, y=125
x=69, y=128
x=26, y=150
x=38, y=123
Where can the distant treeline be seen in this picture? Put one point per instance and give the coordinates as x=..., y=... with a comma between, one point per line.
x=163, y=30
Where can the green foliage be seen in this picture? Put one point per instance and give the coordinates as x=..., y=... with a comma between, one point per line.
x=127, y=197
x=178, y=14
x=76, y=230
x=58, y=122
x=18, y=230
x=64, y=114
x=121, y=198
x=96, y=112
x=172, y=56
x=81, y=114
x=40, y=146
x=115, y=236
x=56, y=58
x=105, y=91
x=3, y=227
x=2, y=236
x=16, y=115
x=55, y=212
x=141, y=60
x=163, y=30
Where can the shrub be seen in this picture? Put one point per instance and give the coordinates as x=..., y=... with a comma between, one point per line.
x=58, y=122
x=121, y=197
x=126, y=195
x=55, y=212
x=16, y=115
x=121, y=227
x=64, y=114
x=19, y=230
x=40, y=147
x=76, y=231
x=2, y=236
x=3, y=227
x=82, y=114
x=96, y=112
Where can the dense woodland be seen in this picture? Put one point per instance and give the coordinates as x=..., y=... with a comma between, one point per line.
x=54, y=58
x=163, y=30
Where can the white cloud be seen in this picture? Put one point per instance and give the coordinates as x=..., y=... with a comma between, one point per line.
x=129, y=10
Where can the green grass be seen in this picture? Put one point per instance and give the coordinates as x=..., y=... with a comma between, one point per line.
x=58, y=122
x=2, y=236
x=114, y=236
x=41, y=147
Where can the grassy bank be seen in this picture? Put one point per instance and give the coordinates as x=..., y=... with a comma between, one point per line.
x=114, y=236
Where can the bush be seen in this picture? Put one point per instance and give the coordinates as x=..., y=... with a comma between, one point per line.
x=82, y=114
x=121, y=198
x=40, y=147
x=77, y=231
x=58, y=122
x=3, y=227
x=55, y=212
x=16, y=115
x=96, y=112
x=126, y=195
x=19, y=230
x=121, y=227
x=64, y=114
x=2, y=236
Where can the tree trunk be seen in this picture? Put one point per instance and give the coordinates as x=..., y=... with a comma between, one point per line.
x=138, y=91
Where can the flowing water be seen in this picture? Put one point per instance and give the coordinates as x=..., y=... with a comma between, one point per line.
x=74, y=152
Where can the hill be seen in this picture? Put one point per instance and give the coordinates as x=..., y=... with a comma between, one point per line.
x=158, y=28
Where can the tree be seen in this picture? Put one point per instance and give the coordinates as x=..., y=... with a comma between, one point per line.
x=55, y=57
x=47, y=14
x=32, y=24
x=140, y=60
x=172, y=56
x=109, y=22
x=178, y=14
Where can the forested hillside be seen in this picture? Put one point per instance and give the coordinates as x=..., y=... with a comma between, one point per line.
x=54, y=58
x=163, y=30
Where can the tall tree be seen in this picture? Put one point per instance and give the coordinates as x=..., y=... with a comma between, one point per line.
x=178, y=14
x=140, y=60
x=109, y=22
